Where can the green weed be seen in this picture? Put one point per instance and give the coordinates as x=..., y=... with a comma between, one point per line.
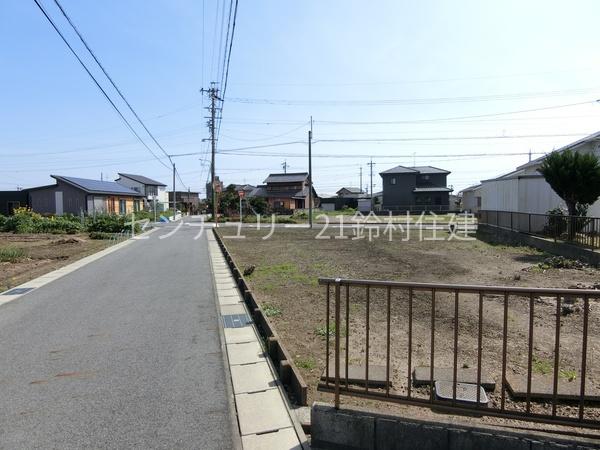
x=271, y=310
x=12, y=254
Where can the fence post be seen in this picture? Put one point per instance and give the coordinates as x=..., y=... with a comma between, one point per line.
x=529, y=223
x=337, y=343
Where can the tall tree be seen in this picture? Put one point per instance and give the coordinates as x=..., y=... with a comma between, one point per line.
x=574, y=176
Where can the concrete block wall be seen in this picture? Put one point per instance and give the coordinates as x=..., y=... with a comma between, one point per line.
x=350, y=429
x=489, y=233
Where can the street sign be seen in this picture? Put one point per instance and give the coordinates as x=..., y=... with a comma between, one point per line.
x=241, y=194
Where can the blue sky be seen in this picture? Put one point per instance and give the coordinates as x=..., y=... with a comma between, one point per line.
x=411, y=62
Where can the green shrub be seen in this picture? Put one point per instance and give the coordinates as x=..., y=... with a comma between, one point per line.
x=108, y=223
x=3, y=220
x=11, y=254
x=57, y=225
x=284, y=219
x=22, y=221
x=100, y=235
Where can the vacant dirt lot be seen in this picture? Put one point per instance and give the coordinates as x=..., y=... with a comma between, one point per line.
x=37, y=254
x=285, y=280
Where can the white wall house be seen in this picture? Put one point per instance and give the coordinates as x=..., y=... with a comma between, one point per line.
x=525, y=189
x=151, y=189
x=471, y=199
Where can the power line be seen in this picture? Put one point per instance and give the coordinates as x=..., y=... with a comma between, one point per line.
x=129, y=126
x=112, y=82
x=413, y=101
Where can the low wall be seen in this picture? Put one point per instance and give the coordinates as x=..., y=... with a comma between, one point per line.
x=490, y=233
x=356, y=429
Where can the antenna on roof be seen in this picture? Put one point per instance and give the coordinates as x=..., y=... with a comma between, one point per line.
x=285, y=166
x=101, y=176
x=529, y=155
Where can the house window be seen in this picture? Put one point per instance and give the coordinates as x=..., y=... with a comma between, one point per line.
x=425, y=177
x=122, y=206
x=478, y=202
x=393, y=180
x=136, y=205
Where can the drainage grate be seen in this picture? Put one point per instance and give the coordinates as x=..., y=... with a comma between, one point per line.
x=236, y=320
x=465, y=392
x=17, y=291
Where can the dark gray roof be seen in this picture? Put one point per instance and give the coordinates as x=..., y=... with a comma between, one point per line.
x=416, y=169
x=433, y=189
x=352, y=190
x=244, y=187
x=97, y=186
x=141, y=179
x=286, y=177
x=259, y=191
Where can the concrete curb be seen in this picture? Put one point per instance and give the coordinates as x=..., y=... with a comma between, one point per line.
x=263, y=411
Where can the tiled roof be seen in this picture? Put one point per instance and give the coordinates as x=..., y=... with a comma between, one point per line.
x=416, y=169
x=352, y=190
x=286, y=177
x=142, y=179
x=97, y=186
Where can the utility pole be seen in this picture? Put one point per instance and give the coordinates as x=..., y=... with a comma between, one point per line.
x=310, y=185
x=174, y=194
x=285, y=166
x=371, y=183
x=360, y=184
x=213, y=95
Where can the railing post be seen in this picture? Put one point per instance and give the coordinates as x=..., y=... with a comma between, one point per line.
x=337, y=343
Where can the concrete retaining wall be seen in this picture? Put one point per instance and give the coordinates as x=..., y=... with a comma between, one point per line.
x=490, y=233
x=350, y=429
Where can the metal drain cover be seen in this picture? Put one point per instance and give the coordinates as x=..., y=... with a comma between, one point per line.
x=236, y=320
x=465, y=392
x=17, y=291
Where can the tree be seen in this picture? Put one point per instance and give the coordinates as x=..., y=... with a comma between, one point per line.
x=259, y=205
x=229, y=200
x=574, y=176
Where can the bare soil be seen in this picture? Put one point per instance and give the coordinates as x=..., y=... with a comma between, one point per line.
x=284, y=280
x=43, y=253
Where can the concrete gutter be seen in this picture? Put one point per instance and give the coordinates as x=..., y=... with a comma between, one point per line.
x=264, y=415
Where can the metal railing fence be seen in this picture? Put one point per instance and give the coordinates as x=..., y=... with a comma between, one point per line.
x=496, y=329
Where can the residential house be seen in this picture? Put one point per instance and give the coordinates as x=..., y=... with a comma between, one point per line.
x=79, y=195
x=286, y=192
x=525, y=189
x=10, y=200
x=154, y=191
x=246, y=188
x=186, y=201
x=349, y=192
x=421, y=188
x=471, y=199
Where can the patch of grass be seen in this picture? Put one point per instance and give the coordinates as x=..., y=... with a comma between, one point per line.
x=12, y=254
x=282, y=274
x=322, y=331
x=306, y=363
x=568, y=374
x=542, y=366
x=271, y=310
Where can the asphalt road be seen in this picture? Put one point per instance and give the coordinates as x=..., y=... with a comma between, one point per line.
x=122, y=353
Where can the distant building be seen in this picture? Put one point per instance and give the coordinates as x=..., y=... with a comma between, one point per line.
x=80, y=195
x=246, y=188
x=209, y=189
x=421, y=188
x=349, y=192
x=471, y=199
x=525, y=188
x=11, y=200
x=152, y=190
x=186, y=201
x=286, y=192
